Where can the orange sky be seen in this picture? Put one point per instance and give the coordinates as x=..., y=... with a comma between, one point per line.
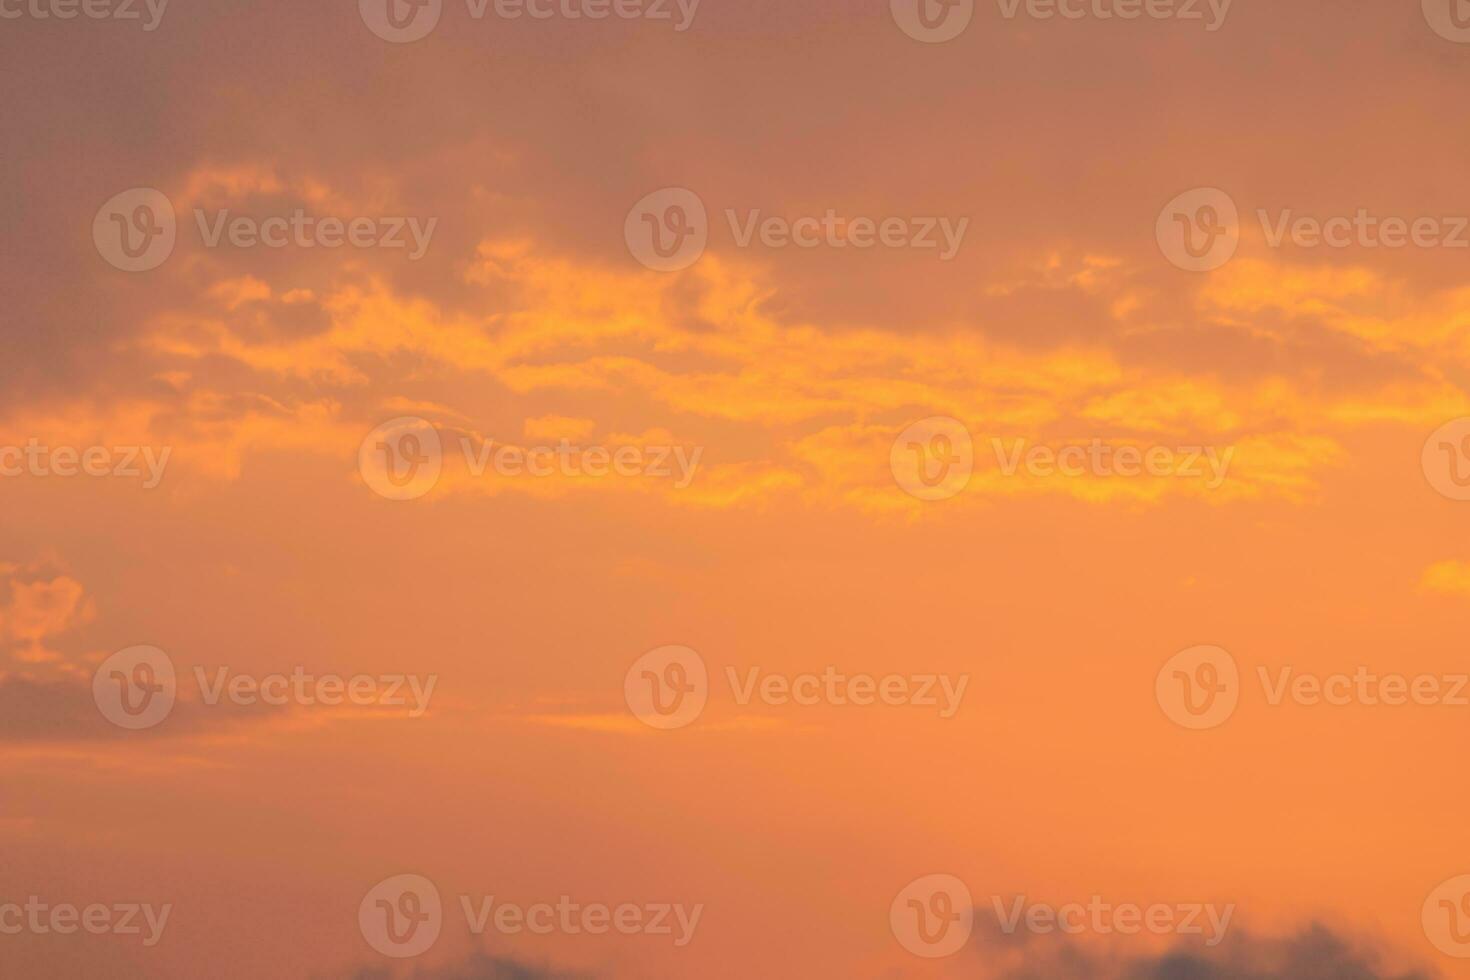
x=773, y=404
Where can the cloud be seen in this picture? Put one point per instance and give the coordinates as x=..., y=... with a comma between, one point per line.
x=480, y=966
x=1313, y=953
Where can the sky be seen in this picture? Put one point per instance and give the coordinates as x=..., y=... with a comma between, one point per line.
x=631, y=488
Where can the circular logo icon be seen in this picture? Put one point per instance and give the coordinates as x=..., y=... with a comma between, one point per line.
x=933, y=916
x=1199, y=230
x=1446, y=917
x=135, y=688
x=1199, y=688
x=136, y=230
x=1446, y=459
x=1449, y=19
x=402, y=458
x=667, y=688
x=401, y=21
x=933, y=458
x=401, y=916
x=668, y=230
x=932, y=21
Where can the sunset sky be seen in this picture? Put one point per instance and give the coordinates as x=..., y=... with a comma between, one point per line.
x=316, y=460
